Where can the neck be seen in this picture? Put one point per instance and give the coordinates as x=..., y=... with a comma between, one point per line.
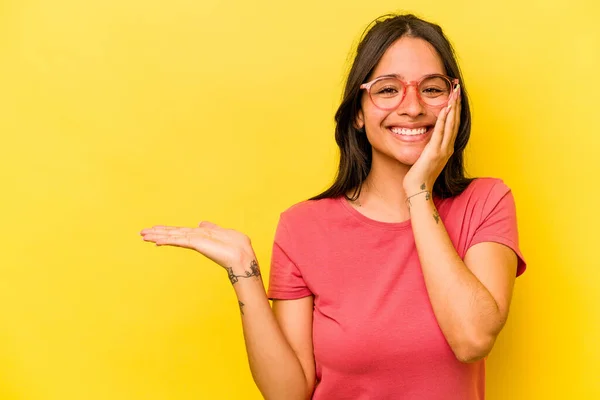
x=382, y=191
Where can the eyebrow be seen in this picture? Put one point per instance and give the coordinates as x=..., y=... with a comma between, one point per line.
x=401, y=77
x=389, y=76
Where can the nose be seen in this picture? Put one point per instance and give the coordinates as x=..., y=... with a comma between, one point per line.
x=411, y=104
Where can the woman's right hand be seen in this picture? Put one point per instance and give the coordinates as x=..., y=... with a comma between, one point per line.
x=229, y=248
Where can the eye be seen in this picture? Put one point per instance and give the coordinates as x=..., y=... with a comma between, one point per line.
x=387, y=90
x=432, y=91
x=435, y=86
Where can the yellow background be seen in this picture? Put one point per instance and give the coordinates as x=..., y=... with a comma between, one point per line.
x=117, y=115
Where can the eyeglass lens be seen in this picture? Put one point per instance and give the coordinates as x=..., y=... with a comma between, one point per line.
x=434, y=91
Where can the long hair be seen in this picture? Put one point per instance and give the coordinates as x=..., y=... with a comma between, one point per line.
x=355, y=149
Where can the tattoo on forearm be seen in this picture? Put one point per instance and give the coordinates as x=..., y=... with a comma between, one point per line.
x=241, y=307
x=427, y=194
x=254, y=271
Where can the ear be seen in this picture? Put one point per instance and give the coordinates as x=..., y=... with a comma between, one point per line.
x=360, y=120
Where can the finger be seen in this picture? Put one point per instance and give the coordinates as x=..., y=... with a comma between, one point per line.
x=162, y=229
x=207, y=224
x=155, y=228
x=169, y=240
x=438, y=130
x=458, y=117
x=449, y=128
x=458, y=105
x=165, y=228
x=203, y=245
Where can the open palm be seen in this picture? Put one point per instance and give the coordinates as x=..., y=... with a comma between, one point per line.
x=226, y=247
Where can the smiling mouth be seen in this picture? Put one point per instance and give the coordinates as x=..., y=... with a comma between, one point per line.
x=410, y=132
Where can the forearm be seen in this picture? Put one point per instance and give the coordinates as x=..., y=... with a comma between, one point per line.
x=467, y=313
x=275, y=367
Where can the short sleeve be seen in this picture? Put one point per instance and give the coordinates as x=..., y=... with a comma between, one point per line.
x=285, y=279
x=498, y=222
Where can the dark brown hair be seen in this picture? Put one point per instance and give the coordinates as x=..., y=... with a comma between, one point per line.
x=355, y=149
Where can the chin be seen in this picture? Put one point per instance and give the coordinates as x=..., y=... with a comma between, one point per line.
x=408, y=157
x=403, y=154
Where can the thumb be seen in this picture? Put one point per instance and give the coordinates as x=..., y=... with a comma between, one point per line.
x=207, y=224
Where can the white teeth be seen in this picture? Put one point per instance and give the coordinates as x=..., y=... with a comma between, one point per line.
x=404, y=131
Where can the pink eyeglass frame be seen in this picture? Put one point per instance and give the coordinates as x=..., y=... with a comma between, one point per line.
x=405, y=85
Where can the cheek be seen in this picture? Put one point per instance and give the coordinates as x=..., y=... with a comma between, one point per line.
x=374, y=117
x=436, y=111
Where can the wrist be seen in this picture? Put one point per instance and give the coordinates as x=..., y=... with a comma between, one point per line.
x=242, y=262
x=421, y=196
x=411, y=188
x=244, y=268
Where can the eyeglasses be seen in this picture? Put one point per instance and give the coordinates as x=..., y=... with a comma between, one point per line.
x=387, y=92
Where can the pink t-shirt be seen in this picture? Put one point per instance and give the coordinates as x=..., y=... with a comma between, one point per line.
x=374, y=332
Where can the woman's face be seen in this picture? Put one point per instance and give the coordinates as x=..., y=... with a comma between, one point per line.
x=392, y=132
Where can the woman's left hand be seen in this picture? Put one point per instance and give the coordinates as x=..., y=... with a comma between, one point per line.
x=437, y=152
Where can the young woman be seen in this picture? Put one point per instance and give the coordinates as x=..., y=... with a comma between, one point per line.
x=395, y=282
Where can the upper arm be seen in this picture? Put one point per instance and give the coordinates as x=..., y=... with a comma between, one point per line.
x=493, y=254
x=295, y=317
x=495, y=266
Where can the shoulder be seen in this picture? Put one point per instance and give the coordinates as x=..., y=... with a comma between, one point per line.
x=484, y=189
x=308, y=210
x=480, y=197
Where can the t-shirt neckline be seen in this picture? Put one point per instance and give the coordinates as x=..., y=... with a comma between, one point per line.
x=366, y=220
